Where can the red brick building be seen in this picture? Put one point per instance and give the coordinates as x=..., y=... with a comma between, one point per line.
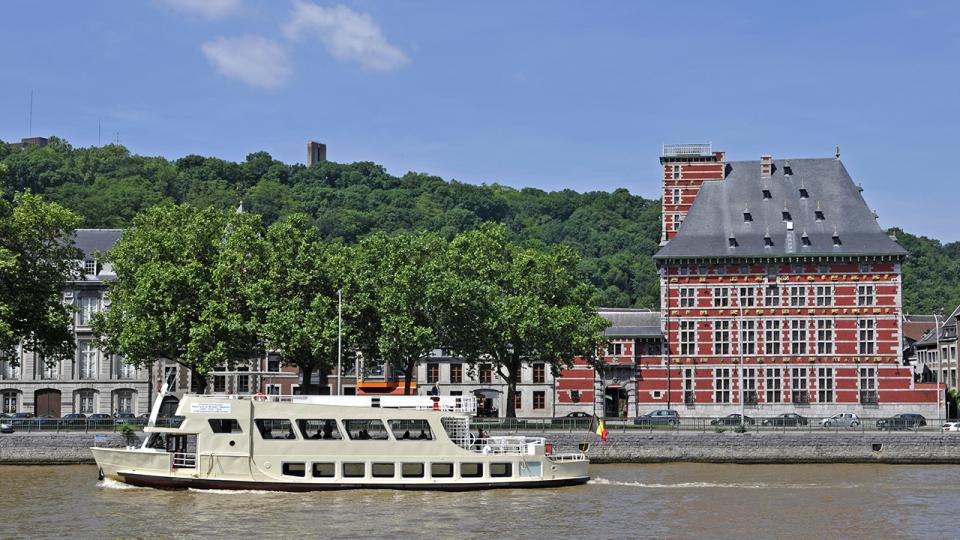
x=778, y=267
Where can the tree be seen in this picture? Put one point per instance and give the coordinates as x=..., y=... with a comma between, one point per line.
x=37, y=257
x=296, y=293
x=179, y=292
x=396, y=298
x=514, y=306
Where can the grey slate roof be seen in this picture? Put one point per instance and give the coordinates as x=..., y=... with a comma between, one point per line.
x=631, y=322
x=90, y=241
x=717, y=214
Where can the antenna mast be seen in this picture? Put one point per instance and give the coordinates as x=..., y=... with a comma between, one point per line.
x=30, y=125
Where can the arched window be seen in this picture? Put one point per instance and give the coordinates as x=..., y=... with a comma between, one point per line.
x=85, y=401
x=124, y=401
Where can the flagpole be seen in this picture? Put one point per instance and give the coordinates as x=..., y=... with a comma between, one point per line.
x=339, y=341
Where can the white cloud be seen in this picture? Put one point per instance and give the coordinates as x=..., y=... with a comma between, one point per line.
x=347, y=35
x=254, y=60
x=210, y=9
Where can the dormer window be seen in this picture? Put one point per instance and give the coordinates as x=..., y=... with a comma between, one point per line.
x=766, y=194
x=819, y=215
x=804, y=194
x=836, y=239
x=805, y=240
x=787, y=170
x=767, y=241
x=747, y=216
x=90, y=267
x=786, y=215
x=732, y=241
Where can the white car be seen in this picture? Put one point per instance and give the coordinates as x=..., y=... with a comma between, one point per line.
x=6, y=427
x=951, y=426
x=841, y=420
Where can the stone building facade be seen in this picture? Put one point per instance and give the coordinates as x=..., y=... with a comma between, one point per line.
x=92, y=381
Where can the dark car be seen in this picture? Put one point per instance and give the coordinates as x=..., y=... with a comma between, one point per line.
x=575, y=418
x=731, y=420
x=786, y=420
x=74, y=419
x=902, y=421
x=100, y=419
x=659, y=417
x=143, y=419
x=125, y=418
x=22, y=419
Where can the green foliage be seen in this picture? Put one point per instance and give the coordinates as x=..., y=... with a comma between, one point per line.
x=510, y=306
x=614, y=233
x=180, y=294
x=37, y=256
x=397, y=289
x=295, y=294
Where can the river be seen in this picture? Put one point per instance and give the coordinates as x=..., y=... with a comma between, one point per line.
x=622, y=501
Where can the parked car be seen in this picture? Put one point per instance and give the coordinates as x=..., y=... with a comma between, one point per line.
x=22, y=419
x=143, y=419
x=99, y=419
x=732, y=420
x=125, y=418
x=659, y=417
x=74, y=419
x=576, y=418
x=841, y=420
x=6, y=426
x=950, y=426
x=786, y=420
x=902, y=421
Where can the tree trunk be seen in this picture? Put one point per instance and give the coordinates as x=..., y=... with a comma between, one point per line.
x=408, y=376
x=200, y=381
x=512, y=369
x=306, y=372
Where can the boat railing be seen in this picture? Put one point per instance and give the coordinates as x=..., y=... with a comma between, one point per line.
x=515, y=445
x=467, y=404
x=569, y=457
x=185, y=460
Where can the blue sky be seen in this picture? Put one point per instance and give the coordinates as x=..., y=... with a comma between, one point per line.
x=554, y=95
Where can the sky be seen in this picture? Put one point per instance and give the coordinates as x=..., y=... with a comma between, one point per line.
x=554, y=95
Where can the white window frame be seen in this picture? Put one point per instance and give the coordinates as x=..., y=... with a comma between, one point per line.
x=748, y=337
x=824, y=336
x=771, y=337
x=688, y=297
x=865, y=295
x=825, y=385
x=687, y=334
x=798, y=336
x=866, y=336
x=824, y=295
x=721, y=337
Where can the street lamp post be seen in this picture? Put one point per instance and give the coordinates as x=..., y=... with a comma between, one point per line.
x=740, y=352
x=936, y=329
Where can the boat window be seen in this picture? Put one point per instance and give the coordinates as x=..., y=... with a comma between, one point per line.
x=362, y=430
x=501, y=470
x=225, y=425
x=354, y=470
x=412, y=470
x=383, y=470
x=275, y=429
x=325, y=429
x=471, y=470
x=324, y=470
x=411, y=430
x=294, y=469
x=441, y=470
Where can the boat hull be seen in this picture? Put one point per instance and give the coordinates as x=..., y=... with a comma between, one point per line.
x=167, y=482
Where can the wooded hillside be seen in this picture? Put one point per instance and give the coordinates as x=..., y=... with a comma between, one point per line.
x=616, y=232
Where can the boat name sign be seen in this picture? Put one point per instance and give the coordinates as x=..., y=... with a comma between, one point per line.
x=210, y=408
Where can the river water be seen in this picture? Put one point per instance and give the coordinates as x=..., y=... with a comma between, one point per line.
x=622, y=501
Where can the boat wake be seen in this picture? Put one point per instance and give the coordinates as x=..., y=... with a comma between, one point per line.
x=108, y=483
x=693, y=485
x=232, y=491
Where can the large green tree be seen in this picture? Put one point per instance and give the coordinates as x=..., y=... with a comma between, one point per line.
x=296, y=295
x=182, y=274
x=37, y=257
x=396, y=297
x=513, y=306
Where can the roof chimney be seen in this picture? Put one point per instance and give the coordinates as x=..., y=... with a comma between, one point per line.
x=766, y=166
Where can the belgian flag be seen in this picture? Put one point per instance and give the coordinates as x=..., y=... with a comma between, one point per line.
x=596, y=426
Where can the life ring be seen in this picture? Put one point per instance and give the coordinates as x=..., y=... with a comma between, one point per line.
x=259, y=396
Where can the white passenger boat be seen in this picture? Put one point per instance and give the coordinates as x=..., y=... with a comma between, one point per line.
x=310, y=443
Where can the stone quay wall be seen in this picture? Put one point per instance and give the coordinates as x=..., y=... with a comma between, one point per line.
x=58, y=448
x=621, y=447
x=764, y=447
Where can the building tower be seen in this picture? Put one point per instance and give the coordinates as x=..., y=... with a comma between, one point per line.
x=316, y=152
x=685, y=167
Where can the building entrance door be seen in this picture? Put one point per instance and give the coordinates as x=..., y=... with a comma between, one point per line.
x=47, y=403
x=615, y=400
